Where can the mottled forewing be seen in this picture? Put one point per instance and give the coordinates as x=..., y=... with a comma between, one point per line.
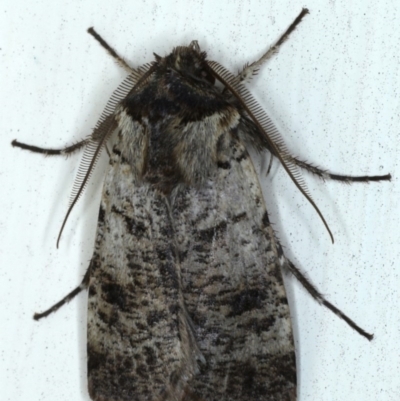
x=232, y=285
x=139, y=340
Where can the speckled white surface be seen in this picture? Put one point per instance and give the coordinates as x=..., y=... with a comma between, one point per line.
x=334, y=92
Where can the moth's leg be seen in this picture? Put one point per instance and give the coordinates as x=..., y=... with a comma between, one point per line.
x=271, y=159
x=51, y=152
x=259, y=143
x=320, y=299
x=83, y=286
x=120, y=61
x=327, y=175
x=108, y=151
x=253, y=68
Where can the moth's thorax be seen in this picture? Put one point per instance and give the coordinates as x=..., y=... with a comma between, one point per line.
x=176, y=120
x=169, y=153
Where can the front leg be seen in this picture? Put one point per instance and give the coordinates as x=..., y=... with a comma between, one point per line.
x=251, y=69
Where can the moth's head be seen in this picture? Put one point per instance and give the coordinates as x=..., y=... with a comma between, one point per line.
x=189, y=61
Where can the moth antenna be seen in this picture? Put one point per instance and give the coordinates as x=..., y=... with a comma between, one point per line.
x=264, y=124
x=93, y=149
x=120, y=61
x=101, y=134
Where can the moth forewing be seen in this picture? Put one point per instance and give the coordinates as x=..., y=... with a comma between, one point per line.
x=186, y=296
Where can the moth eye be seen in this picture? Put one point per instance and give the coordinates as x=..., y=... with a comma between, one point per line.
x=207, y=76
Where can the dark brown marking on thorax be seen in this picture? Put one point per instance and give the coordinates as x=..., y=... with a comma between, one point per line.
x=183, y=115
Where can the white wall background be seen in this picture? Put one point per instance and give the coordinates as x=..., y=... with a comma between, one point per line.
x=334, y=92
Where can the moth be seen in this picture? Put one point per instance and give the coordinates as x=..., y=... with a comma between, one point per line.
x=186, y=296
